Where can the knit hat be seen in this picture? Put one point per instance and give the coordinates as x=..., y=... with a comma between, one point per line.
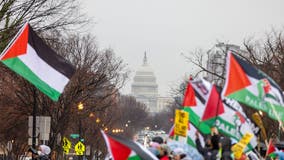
x=45, y=149
x=179, y=151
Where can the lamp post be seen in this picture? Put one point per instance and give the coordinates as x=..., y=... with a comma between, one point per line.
x=80, y=108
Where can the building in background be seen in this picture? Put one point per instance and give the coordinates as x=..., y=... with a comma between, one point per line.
x=216, y=61
x=145, y=88
x=162, y=102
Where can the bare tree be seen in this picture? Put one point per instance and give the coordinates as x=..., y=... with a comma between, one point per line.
x=98, y=77
x=42, y=14
x=267, y=55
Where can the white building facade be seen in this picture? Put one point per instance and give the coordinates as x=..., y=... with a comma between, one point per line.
x=216, y=61
x=145, y=88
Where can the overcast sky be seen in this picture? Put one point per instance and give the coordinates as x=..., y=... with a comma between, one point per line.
x=166, y=28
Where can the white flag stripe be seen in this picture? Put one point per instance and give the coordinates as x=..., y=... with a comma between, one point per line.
x=191, y=133
x=43, y=70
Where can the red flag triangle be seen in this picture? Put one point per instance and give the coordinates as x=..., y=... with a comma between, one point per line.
x=19, y=45
x=214, y=105
x=118, y=150
x=189, y=96
x=270, y=148
x=236, y=77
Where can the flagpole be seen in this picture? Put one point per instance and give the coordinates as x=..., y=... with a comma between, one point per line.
x=34, y=121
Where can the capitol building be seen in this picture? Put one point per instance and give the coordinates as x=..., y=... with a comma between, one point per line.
x=145, y=88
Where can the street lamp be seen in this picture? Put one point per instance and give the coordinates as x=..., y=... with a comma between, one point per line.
x=98, y=120
x=80, y=108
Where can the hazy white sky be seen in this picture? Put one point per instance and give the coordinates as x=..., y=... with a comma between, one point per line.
x=165, y=28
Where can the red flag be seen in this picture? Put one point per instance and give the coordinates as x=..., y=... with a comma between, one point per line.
x=189, y=96
x=236, y=76
x=118, y=150
x=270, y=148
x=122, y=149
x=214, y=105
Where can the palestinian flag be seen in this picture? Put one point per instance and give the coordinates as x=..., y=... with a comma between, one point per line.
x=212, y=105
x=253, y=87
x=31, y=58
x=189, y=97
x=271, y=149
x=122, y=149
x=232, y=121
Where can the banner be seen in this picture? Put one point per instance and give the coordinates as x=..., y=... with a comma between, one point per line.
x=181, y=123
x=239, y=147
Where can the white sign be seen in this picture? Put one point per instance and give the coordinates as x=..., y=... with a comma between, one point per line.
x=30, y=131
x=42, y=127
x=30, y=141
x=31, y=121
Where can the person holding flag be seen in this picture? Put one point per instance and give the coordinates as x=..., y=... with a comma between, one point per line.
x=208, y=152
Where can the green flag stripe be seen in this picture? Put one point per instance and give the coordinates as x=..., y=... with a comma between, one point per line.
x=135, y=157
x=196, y=121
x=244, y=96
x=19, y=67
x=223, y=126
x=191, y=142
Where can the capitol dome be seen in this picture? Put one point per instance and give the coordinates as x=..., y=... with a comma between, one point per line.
x=144, y=86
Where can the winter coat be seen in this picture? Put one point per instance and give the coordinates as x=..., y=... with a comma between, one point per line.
x=206, y=152
x=43, y=157
x=226, y=148
x=165, y=158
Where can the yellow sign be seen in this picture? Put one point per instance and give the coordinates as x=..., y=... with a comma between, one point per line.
x=241, y=145
x=66, y=145
x=80, y=148
x=181, y=123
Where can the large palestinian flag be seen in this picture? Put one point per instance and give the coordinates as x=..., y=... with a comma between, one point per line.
x=253, y=87
x=232, y=121
x=123, y=149
x=31, y=58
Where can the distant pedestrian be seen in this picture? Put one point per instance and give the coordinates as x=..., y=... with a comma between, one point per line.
x=226, y=148
x=164, y=152
x=42, y=153
x=179, y=154
x=158, y=139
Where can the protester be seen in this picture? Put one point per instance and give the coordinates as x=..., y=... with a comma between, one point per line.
x=179, y=154
x=42, y=153
x=279, y=155
x=243, y=157
x=208, y=152
x=158, y=139
x=164, y=152
x=154, y=148
x=226, y=148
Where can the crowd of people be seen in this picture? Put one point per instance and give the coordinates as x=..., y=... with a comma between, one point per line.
x=160, y=149
x=216, y=147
